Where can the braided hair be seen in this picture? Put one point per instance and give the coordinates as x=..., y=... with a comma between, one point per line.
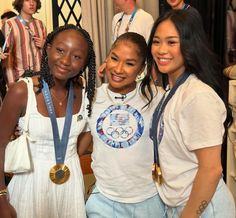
x=91, y=64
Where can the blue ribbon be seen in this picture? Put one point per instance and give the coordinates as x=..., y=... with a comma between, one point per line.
x=157, y=115
x=22, y=20
x=60, y=145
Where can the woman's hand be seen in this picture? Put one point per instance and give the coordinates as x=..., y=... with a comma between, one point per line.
x=101, y=69
x=3, y=56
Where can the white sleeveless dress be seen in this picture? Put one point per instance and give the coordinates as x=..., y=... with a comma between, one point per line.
x=34, y=195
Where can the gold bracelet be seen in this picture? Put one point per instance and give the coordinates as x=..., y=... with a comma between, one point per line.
x=3, y=192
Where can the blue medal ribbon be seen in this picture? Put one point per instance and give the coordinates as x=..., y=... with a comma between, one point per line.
x=60, y=145
x=26, y=24
x=118, y=23
x=22, y=20
x=158, y=114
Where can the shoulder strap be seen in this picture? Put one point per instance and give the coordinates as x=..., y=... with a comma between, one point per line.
x=29, y=83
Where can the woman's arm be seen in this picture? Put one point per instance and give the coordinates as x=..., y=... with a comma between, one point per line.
x=14, y=106
x=206, y=181
x=84, y=143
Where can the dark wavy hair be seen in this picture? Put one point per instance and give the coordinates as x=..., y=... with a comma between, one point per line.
x=198, y=57
x=18, y=4
x=90, y=76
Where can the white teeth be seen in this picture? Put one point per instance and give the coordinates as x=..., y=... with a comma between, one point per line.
x=116, y=77
x=163, y=60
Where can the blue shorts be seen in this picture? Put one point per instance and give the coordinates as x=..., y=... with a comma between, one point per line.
x=99, y=206
x=222, y=205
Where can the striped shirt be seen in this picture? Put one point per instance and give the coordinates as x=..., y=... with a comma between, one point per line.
x=23, y=52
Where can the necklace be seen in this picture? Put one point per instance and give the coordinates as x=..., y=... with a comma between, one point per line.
x=60, y=101
x=118, y=24
x=118, y=98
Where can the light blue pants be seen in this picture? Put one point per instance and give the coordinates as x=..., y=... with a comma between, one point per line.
x=222, y=205
x=99, y=206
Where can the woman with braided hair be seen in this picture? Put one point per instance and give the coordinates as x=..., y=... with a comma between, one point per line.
x=60, y=102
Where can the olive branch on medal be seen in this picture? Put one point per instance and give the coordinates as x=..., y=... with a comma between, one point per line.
x=59, y=173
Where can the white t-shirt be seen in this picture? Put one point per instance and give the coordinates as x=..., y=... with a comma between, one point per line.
x=142, y=23
x=122, y=155
x=193, y=119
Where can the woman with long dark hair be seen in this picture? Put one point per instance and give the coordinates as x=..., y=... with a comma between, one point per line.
x=188, y=125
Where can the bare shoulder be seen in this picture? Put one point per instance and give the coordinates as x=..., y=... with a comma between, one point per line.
x=17, y=94
x=18, y=89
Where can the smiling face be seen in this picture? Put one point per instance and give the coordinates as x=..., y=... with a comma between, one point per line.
x=124, y=64
x=67, y=55
x=166, y=50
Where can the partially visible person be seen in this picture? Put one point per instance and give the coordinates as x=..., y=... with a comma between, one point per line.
x=181, y=5
x=175, y=5
x=188, y=130
x=230, y=57
x=7, y=15
x=3, y=55
x=129, y=19
x=60, y=102
x=27, y=37
x=122, y=151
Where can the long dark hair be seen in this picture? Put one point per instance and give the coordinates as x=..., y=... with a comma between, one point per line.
x=91, y=65
x=198, y=57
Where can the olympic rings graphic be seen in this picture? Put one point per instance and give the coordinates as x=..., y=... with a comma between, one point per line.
x=115, y=133
x=120, y=134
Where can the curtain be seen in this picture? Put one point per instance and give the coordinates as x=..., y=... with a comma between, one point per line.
x=213, y=14
x=151, y=6
x=96, y=19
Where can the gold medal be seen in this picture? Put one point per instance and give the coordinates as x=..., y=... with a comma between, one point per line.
x=156, y=173
x=59, y=173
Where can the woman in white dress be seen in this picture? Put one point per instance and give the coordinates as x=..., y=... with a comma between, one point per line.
x=54, y=187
